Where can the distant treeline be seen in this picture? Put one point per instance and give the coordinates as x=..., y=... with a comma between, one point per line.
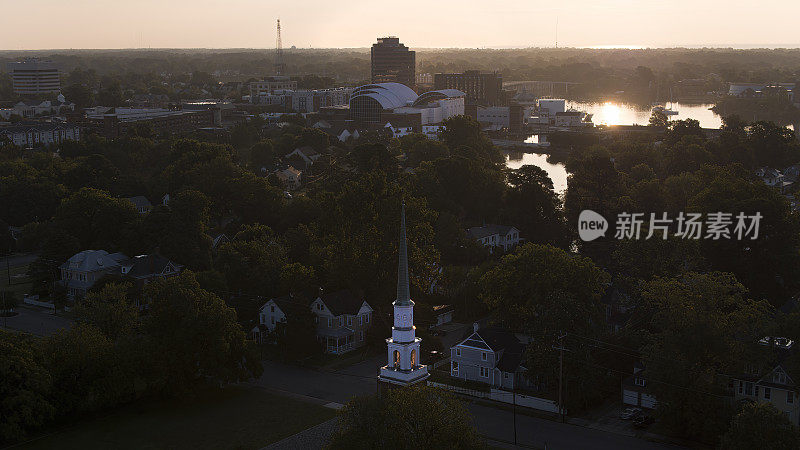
x=600, y=71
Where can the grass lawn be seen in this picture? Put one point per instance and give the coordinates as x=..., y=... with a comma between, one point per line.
x=229, y=418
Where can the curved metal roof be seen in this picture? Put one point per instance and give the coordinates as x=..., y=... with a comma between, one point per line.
x=389, y=95
x=437, y=95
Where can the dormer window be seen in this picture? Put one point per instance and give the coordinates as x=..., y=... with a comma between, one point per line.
x=639, y=381
x=779, y=377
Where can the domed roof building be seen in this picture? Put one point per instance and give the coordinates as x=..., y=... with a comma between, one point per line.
x=368, y=101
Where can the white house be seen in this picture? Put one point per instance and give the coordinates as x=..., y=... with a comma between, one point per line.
x=495, y=236
x=342, y=318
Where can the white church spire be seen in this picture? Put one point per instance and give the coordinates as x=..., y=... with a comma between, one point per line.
x=403, y=366
x=403, y=291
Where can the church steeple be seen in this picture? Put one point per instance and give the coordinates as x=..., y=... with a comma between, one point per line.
x=403, y=366
x=403, y=291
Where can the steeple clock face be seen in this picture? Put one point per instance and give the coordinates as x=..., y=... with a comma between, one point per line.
x=403, y=319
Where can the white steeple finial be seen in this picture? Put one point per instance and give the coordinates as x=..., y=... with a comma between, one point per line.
x=403, y=291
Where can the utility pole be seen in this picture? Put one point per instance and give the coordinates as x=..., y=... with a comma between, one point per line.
x=514, y=406
x=560, y=348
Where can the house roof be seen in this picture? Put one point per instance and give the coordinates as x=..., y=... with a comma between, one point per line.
x=140, y=201
x=342, y=302
x=308, y=151
x=488, y=230
x=292, y=303
x=144, y=266
x=94, y=260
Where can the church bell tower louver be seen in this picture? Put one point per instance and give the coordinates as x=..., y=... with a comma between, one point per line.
x=403, y=366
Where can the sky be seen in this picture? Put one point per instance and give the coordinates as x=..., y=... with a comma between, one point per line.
x=58, y=24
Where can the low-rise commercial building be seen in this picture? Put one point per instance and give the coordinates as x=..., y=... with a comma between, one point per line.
x=114, y=122
x=36, y=134
x=271, y=84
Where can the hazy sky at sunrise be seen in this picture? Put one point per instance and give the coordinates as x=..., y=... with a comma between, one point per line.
x=37, y=24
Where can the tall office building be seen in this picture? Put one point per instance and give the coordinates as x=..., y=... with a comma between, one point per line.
x=392, y=62
x=35, y=77
x=485, y=89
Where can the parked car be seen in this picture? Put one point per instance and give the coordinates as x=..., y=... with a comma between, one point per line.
x=630, y=413
x=643, y=421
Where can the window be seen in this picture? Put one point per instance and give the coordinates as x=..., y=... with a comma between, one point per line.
x=361, y=320
x=483, y=356
x=740, y=387
x=272, y=308
x=455, y=367
x=360, y=335
x=756, y=391
x=780, y=377
x=639, y=381
x=484, y=372
x=767, y=393
x=458, y=352
x=505, y=375
x=367, y=318
x=748, y=388
x=789, y=397
x=330, y=322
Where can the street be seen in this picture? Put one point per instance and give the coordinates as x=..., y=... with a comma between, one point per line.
x=34, y=320
x=359, y=379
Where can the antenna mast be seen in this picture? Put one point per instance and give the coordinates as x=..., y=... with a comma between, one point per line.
x=280, y=67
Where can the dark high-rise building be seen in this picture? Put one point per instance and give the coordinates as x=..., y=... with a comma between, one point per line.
x=392, y=62
x=484, y=89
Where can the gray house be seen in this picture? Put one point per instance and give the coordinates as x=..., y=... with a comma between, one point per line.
x=489, y=355
x=84, y=269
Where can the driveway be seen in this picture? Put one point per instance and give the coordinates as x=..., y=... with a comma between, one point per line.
x=496, y=424
x=38, y=321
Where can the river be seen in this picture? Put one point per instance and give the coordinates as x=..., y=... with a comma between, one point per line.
x=619, y=113
x=556, y=171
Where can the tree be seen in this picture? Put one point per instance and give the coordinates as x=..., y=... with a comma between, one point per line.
x=97, y=220
x=25, y=387
x=110, y=310
x=193, y=337
x=658, y=119
x=545, y=293
x=700, y=327
x=86, y=370
x=533, y=206
x=252, y=261
x=409, y=418
x=760, y=425
x=463, y=135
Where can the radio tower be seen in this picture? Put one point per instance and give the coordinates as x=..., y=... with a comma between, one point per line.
x=280, y=67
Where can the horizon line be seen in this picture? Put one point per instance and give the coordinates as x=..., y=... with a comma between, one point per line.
x=566, y=47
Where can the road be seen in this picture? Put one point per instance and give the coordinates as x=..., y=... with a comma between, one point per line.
x=360, y=379
x=34, y=320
